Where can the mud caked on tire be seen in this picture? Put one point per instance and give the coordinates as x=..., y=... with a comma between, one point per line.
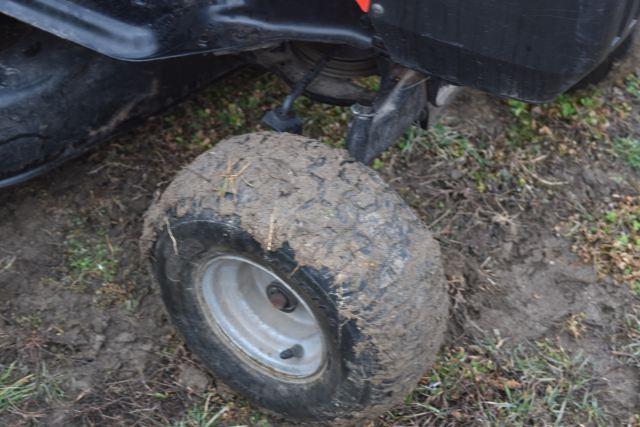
x=298, y=277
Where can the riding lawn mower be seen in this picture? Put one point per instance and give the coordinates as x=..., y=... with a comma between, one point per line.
x=289, y=267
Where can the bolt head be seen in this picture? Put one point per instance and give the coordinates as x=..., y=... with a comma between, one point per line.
x=377, y=9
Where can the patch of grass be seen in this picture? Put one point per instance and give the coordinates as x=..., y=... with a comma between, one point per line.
x=212, y=411
x=30, y=321
x=14, y=389
x=629, y=350
x=6, y=263
x=628, y=149
x=611, y=241
x=582, y=113
x=372, y=82
x=205, y=414
x=448, y=142
x=632, y=85
x=90, y=258
x=92, y=264
x=474, y=158
x=488, y=384
x=232, y=108
x=377, y=164
x=452, y=145
x=18, y=389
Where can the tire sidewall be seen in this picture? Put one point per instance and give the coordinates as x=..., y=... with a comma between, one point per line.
x=200, y=238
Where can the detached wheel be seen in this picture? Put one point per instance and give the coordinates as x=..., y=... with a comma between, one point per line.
x=298, y=277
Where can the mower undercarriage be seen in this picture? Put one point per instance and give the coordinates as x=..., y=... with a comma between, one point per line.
x=59, y=100
x=330, y=75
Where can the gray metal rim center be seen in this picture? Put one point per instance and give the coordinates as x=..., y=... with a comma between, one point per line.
x=262, y=317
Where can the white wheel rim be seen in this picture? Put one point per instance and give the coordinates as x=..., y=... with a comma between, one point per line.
x=286, y=342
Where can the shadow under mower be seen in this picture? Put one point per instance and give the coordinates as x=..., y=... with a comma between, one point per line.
x=291, y=270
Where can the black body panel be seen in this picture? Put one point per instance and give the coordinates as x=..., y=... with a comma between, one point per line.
x=59, y=100
x=153, y=29
x=527, y=49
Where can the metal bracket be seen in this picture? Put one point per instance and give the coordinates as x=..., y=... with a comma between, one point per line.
x=406, y=99
x=401, y=102
x=284, y=118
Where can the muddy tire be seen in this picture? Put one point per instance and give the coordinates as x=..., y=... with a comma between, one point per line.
x=345, y=257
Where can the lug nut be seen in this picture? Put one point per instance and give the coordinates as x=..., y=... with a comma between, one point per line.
x=281, y=298
x=295, y=351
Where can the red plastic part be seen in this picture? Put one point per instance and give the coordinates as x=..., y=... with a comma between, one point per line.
x=364, y=5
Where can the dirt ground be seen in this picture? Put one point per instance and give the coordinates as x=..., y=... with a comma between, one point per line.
x=77, y=310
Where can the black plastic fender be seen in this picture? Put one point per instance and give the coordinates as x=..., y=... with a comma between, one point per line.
x=58, y=99
x=153, y=29
x=527, y=49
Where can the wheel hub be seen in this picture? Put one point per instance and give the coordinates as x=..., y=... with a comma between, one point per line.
x=346, y=63
x=280, y=298
x=262, y=318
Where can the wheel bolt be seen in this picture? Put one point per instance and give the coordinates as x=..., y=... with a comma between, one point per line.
x=280, y=298
x=295, y=351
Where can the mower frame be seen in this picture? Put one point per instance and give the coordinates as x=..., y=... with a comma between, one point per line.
x=529, y=50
